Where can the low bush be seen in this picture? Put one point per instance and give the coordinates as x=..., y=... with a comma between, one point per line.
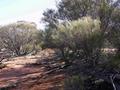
x=74, y=83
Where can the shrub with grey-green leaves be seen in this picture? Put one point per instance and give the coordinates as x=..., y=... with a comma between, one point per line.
x=79, y=39
x=19, y=38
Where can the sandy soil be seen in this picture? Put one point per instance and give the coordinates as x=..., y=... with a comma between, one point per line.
x=31, y=73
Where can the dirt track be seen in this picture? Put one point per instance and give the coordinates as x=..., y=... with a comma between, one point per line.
x=22, y=73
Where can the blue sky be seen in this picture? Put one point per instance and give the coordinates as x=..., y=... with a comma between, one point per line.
x=28, y=10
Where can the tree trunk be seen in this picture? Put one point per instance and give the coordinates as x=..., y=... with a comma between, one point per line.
x=67, y=63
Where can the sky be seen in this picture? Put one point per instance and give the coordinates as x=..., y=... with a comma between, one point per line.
x=24, y=10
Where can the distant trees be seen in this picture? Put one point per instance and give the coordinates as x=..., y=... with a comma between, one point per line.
x=18, y=38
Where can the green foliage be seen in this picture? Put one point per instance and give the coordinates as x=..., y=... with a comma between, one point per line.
x=74, y=83
x=114, y=33
x=78, y=37
x=18, y=38
x=50, y=18
x=114, y=62
x=75, y=9
x=83, y=38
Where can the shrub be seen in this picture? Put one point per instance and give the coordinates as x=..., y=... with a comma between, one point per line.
x=74, y=83
x=78, y=39
x=18, y=38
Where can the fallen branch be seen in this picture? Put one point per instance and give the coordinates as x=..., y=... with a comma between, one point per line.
x=112, y=77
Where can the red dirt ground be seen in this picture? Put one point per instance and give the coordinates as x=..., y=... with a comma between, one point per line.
x=18, y=76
